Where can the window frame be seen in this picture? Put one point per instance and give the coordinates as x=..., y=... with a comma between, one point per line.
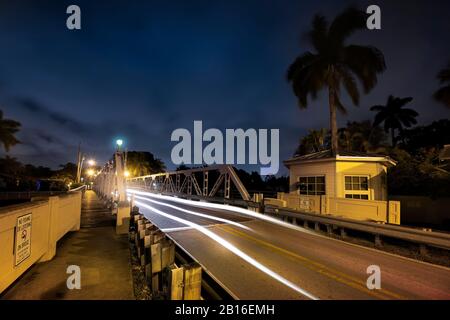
x=314, y=184
x=357, y=194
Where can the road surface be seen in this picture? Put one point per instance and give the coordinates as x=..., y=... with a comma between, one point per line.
x=254, y=256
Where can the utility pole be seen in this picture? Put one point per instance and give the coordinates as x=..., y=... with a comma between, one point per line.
x=79, y=163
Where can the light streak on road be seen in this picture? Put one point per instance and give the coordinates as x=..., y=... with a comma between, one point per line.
x=207, y=216
x=166, y=230
x=224, y=207
x=231, y=248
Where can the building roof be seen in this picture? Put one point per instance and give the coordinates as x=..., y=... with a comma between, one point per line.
x=342, y=155
x=445, y=153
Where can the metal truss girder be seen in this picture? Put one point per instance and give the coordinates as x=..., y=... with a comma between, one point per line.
x=165, y=182
x=216, y=185
x=196, y=185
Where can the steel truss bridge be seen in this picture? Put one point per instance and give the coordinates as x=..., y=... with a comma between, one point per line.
x=276, y=253
x=194, y=182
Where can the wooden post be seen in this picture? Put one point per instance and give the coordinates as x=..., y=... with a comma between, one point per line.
x=167, y=254
x=192, y=282
x=176, y=283
x=147, y=257
x=140, y=227
x=156, y=257
x=155, y=284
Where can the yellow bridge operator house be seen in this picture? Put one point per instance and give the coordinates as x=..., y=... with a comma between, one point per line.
x=350, y=184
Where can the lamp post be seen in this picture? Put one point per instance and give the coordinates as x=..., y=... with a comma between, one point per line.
x=119, y=143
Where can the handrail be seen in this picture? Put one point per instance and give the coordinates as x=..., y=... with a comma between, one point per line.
x=431, y=238
x=77, y=189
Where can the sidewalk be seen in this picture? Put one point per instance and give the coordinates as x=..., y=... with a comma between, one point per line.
x=103, y=258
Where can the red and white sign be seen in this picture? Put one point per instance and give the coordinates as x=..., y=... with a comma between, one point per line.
x=22, y=243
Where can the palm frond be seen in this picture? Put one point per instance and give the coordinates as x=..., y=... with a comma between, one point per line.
x=365, y=62
x=345, y=24
x=318, y=34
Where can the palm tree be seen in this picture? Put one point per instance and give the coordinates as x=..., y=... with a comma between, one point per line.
x=335, y=63
x=395, y=116
x=10, y=166
x=362, y=136
x=314, y=141
x=7, y=130
x=443, y=94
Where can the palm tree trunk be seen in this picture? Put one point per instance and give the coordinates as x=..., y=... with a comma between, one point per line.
x=393, y=137
x=333, y=124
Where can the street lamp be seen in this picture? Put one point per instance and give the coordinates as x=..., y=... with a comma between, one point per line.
x=119, y=143
x=91, y=162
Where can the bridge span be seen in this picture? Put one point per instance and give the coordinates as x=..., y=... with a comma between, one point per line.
x=255, y=256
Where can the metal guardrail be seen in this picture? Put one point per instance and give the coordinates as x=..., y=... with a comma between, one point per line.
x=78, y=189
x=430, y=238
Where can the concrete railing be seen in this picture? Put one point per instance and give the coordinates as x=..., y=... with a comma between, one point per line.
x=300, y=202
x=366, y=210
x=29, y=232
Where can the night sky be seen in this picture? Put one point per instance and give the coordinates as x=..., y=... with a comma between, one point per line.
x=140, y=70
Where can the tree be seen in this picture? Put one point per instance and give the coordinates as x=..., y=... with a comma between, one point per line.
x=314, y=141
x=434, y=135
x=10, y=166
x=141, y=163
x=362, y=136
x=443, y=94
x=67, y=173
x=8, y=128
x=334, y=64
x=394, y=116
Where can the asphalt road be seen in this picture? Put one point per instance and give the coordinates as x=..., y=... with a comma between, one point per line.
x=253, y=258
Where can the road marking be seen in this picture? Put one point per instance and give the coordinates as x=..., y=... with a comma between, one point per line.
x=176, y=229
x=318, y=267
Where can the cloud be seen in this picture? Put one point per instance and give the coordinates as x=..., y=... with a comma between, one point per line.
x=59, y=118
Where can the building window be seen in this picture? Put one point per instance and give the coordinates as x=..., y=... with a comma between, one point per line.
x=357, y=196
x=357, y=187
x=312, y=185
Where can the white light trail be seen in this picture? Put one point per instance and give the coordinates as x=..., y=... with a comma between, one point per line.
x=233, y=249
x=176, y=229
x=207, y=216
x=224, y=207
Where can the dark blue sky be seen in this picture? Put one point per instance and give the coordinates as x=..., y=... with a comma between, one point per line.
x=142, y=69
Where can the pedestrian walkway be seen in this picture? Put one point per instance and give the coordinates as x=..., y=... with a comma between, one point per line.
x=103, y=258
